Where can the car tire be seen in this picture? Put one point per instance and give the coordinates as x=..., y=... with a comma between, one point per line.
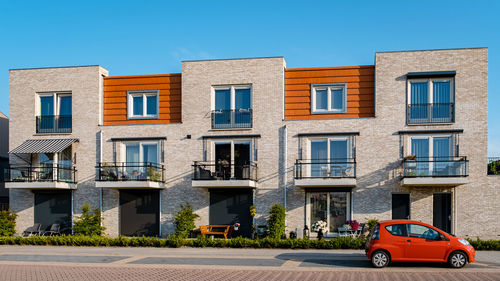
x=457, y=259
x=380, y=259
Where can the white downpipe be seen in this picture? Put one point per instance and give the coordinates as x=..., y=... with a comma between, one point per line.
x=455, y=211
x=285, y=174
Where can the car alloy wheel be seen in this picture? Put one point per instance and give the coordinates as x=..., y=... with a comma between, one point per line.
x=380, y=259
x=458, y=260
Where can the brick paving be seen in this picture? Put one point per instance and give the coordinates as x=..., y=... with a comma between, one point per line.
x=69, y=273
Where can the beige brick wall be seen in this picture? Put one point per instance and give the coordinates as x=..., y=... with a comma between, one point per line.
x=377, y=147
x=83, y=82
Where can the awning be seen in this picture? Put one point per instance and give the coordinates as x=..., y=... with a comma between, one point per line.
x=43, y=146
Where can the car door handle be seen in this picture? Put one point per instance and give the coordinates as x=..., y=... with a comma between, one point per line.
x=408, y=240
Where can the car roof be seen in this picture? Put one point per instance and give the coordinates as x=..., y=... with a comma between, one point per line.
x=388, y=222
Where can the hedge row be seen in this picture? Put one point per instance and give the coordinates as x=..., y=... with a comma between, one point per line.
x=175, y=242
x=485, y=245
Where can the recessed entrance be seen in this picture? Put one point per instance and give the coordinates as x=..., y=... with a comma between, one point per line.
x=139, y=212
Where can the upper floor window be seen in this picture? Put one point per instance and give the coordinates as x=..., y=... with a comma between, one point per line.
x=54, y=113
x=142, y=104
x=232, y=107
x=430, y=100
x=328, y=98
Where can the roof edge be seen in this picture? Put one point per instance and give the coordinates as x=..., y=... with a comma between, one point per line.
x=51, y=67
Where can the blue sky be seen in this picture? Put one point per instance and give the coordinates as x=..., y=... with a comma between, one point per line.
x=145, y=37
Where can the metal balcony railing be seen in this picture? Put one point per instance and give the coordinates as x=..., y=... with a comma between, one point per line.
x=223, y=170
x=325, y=168
x=430, y=113
x=228, y=119
x=43, y=173
x=494, y=166
x=49, y=124
x=436, y=167
x=130, y=171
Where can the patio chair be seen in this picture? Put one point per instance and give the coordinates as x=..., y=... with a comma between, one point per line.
x=33, y=230
x=342, y=231
x=55, y=229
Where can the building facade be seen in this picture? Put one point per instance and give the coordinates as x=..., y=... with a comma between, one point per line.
x=403, y=138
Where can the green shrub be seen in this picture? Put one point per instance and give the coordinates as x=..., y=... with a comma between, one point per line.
x=184, y=221
x=485, y=245
x=276, y=221
x=7, y=223
x=88, y=224
x=371, y=223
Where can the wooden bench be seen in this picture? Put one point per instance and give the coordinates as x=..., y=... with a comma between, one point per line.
x=209, y=230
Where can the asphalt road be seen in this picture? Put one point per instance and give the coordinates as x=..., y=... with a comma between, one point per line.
x=87, y=263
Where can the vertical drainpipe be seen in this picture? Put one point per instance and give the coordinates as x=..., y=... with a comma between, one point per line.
x=284, y=164
x=455, y=210
x=99, y=160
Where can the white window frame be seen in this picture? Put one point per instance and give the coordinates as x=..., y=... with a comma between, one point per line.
x=232, y=89
x=144, y=94
x=329, y=88
x=328, y=139
x=232, y=142
x=431, y=143
x=308, y=209
x=57, y=101
x=430, y=92
x=141, y=150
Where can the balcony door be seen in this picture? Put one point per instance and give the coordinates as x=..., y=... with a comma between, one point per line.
x=433, y=154
x=430, y=100
x=138, y=156
x=330, y=157
x=232, y=159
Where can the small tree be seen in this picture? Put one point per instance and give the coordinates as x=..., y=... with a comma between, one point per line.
x=184, y=221
x=88, y=223
x=276, y=221
x=7, y=223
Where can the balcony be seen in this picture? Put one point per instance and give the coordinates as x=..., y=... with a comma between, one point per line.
x=442, y=171
x=224, y=175
x=123, y=175
x=430, y=113
x=53, y=124
x=325, y=173
x=41, y=177
x=232, y=119
x=493, y=166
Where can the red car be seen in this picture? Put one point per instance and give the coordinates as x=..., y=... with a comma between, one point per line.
x=414, y=241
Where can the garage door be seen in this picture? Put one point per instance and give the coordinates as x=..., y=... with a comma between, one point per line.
x=139, y=212
x=53, y=207
x=231, y=206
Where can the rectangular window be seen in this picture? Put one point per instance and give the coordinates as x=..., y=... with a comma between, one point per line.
x=330, y=157
x=434, y=155
x=327, y=211
x=430, y=101
x=54, y=113
x=143, y=104
x=232, y=107
x=141, y=160
x=328, y=98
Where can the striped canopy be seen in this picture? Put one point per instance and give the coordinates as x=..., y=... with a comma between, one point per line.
x=43, y=146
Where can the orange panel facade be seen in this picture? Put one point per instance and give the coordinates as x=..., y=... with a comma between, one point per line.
x=169, y=97
x=360, y=91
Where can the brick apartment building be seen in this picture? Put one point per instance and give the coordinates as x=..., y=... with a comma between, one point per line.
x=403, y=138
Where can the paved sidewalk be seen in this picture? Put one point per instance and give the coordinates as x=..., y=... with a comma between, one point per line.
x=107, y=263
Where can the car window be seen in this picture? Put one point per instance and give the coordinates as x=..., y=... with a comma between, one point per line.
x=420, y=231
x=397, y=229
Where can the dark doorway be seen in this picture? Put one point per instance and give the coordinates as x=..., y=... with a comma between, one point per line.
x=400, y=206
x=228, y=207
x=139, y=212
x=53, y=207
x=442, y=211
x=223, y=160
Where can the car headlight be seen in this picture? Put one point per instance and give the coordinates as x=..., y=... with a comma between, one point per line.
x=463, y=241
